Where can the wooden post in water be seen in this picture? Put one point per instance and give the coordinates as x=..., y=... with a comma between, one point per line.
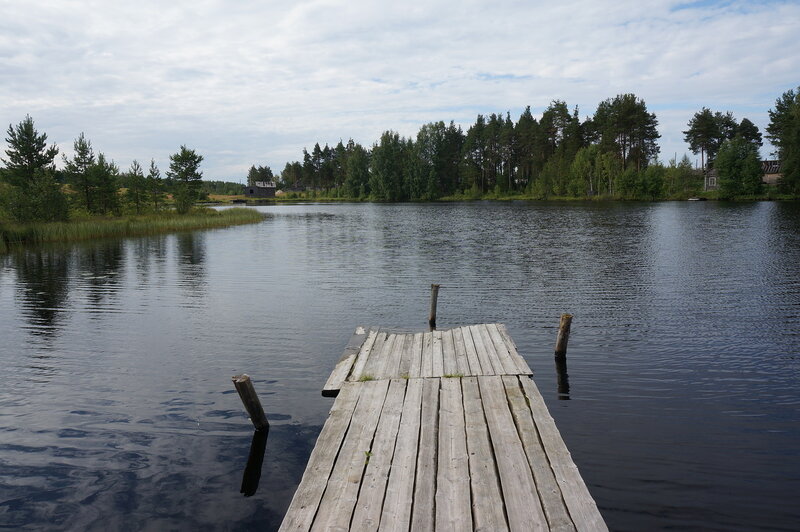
x=251, y=403
x=563, y=335
x=434, y=299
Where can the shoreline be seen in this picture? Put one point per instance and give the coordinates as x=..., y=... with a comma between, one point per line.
x=14, y=236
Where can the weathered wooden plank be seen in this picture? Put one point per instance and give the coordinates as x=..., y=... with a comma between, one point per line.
x=392, y=368
x=363, y=354
x=374, y=360
x=341, y=493
x=367, y=513
x=453, y=504
x=438, y=354
x=449, y=365
x=519, y=490
x=396, y=515
x=487, y=501
x=406, y=357
x=416, y=357
x=580, y=504
x=489, y=362
x=549, y=491
x=496, y=342
x=472, y=354
x=383, y=361
x=305, y=502
x=423, y=514
x=462, y=364
x=427, y=355
x=339, y=374
x=522, y=365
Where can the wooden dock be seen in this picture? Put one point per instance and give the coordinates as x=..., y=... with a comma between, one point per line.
x=442, y=430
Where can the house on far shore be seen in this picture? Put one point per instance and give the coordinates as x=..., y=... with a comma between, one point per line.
x=260, y=189
x=772, y=172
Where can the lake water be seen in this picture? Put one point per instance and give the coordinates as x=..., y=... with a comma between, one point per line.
x=682, y=406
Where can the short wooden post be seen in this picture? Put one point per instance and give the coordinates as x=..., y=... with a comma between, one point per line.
x=251, y=403
x=563, y=335
x=434, y=298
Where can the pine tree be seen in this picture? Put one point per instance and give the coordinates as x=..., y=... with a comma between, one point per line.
x=184, y=170
x=35, y=195
x=77, y=170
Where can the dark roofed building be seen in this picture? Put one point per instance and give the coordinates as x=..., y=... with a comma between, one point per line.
x=260, y=189
x=772, y=171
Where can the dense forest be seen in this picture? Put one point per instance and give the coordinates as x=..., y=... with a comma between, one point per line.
x=611, y=154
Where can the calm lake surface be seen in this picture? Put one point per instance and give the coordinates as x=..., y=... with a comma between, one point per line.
x=683, y=404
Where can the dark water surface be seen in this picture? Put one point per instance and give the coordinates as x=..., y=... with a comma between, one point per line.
x=683, y=412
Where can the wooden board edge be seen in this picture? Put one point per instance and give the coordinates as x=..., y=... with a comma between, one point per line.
x=342, y=369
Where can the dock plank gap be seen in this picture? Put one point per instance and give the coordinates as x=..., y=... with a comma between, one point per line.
x=441, y=430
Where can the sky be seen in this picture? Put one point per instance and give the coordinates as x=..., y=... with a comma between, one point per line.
x=254, y=82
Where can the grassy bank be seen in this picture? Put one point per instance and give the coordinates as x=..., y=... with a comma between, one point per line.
x=168, y=222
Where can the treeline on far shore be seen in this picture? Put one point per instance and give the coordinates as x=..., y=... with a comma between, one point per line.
x=612, y=154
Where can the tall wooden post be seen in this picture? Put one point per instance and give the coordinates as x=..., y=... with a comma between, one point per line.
x=434, y=299
x=563, y=335
x=251, y=403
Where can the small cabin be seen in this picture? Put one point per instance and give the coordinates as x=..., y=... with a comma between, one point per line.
x=260, y=189
x=772, y=172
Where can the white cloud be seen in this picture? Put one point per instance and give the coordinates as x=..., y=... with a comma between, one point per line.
x=255, y=82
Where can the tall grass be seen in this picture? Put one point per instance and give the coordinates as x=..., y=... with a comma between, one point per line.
x=13, y=234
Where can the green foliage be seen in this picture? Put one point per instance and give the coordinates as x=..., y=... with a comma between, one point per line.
x=40, y=200
x=627, y=129
x=184, y=170
x=707, y=131
x=356, y=182
x=680, y=179
x=784, y=132
x=104, y=175
x=28, y=154
x=255, y=174
x=78, y=174
x=155, y=186
x=387, y=162
x=136, y=196
x=227, y=188
x=33, y=194
x=739, y=168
